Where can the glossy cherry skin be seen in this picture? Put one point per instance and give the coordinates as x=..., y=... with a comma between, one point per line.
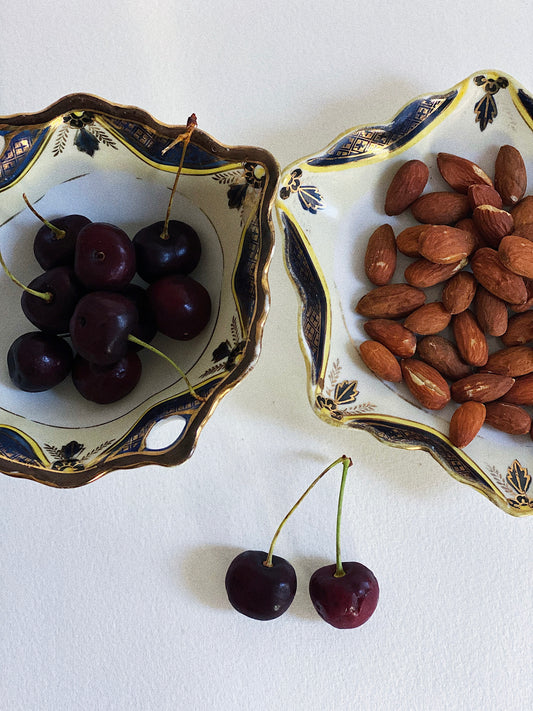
x=258, y=591
x=146, y=328
x=157, y=256
x=53, y=251
x=104, y=257
x=38, y=361
x=105, y=384
x=100, y=326
x=347, y=601
x=182, y=306
x=53, y=316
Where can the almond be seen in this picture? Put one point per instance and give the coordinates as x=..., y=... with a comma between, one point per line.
x=511, y=360
x=510, y=178
x=440, y=208
x=390, y=301
x=380, y=360
x=428, y=319
x=460, y=173
x=516, y=253
x=493, y=223
x=442, y=354
x=466, y=422
x=407, y=240
x=500, y=281
x=470, y=339
x=525, y=230
x=519, y=329
x=458, y=292
x=380, y=256
x=398, y=339
x=425, y=383
x=528, y=303
x=407, y=184
x=491, y=312
x=468, y=225
x=484, y=195
x=481, y=387
x=522, y=391
x=522, y=212
x=422, y=273
x=445, y=245
x=507, y=417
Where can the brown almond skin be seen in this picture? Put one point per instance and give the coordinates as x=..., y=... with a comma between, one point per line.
x=468, y=225
x=407, y=184
x=522, y=212
x=398, y=339
x=390, y=301
x=460, y=172
x=496, y=278
x=491, y=312
x=519, y=329
x=528, y=303
x=458, y=292
x=512, y=360
x=484, y=195
x=444, y=244
x=507, y=417
x=516, y=253
x=381, y=361
x=380, y=255
x=425, y=383
x=525, y=231
x=443, y=355
x=470, y=339
x=428, y=319
x=440, y=208
x=407, y=240
x=422, y=273
x=493, y=223
x=522, y=391
x=481, y=387
x=466, y=422
x=510, y=177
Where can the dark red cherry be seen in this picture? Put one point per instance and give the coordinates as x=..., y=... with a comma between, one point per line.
x=53, y=250
x=104, y=257
x=181, y=304
x=52, y=315
x=346, y=601
x=100, y=326
x=105, y=384
x=146, y=328
x=177, y=251
x=38, y=361
x=259, y=591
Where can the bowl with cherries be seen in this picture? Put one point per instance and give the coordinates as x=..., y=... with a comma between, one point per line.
x=134, y=259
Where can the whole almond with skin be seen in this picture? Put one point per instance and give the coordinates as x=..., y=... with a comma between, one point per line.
x=522, y=391
x=528, y=303
x=407, y=240
x=398, y=339
x=507, y=417
x=511, y=360
x=466, y=422
x=470, y=339
x=491, y=312
x=428, y=319
x=407, y=184
x=380, y=360
x=460, y=173
x=422, y=273
x=458, y=292
x=390, y=301
x=510, y=177
x=522, y=212
x=440, y=208
x=516, y=253
x=500, y=281
x=519, y=329
x=442, y=354
x=493, y=223
x=484, y=195
x=481, y=387
x=425, y=383
x=380, y=256
x=443, y=244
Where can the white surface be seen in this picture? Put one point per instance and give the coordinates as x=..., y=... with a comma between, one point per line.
x=112, y=595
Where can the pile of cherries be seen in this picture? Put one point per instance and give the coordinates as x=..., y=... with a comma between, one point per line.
x=91, y=317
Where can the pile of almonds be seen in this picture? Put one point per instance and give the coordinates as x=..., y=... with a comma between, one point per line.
x=475, y=241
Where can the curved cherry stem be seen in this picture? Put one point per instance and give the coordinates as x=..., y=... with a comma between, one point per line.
x=45, y=295
x=184, y=138
x=346, y=462
x=339, y=570
x=59, y=233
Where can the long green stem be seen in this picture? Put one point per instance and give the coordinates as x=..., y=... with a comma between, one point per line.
x=59, y=233
x=45, y=295
x=346, y=462
x=339, y=570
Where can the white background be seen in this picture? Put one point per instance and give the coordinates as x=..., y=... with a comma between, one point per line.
x=112, y=595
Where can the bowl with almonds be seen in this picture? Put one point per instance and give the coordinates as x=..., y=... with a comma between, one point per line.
x=417, y=326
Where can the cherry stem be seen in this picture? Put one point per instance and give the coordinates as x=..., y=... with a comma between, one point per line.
x=346, y=462
x=59, y=233
x=45, y=295
x=185, y=137
x=339, y=570
x=151, y=348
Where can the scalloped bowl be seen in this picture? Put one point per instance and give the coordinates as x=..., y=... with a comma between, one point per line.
x=85, y=155
x=328, y=205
